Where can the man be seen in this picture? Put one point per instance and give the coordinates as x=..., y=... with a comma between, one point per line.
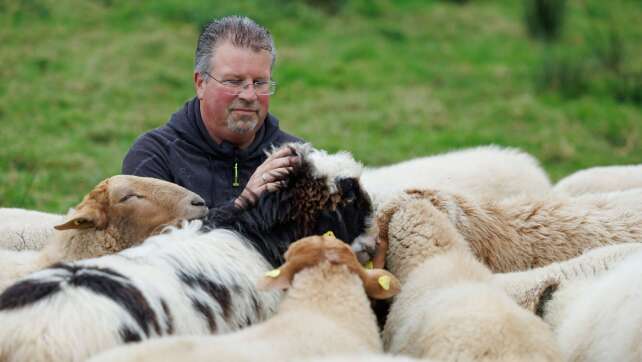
x=215, y=145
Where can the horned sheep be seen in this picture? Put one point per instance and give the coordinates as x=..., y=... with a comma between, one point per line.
x=325, y=311
x=448, y=308
x=119, y=212
x=185, y=281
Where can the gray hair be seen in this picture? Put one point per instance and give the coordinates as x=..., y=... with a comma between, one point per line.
x=241, y=31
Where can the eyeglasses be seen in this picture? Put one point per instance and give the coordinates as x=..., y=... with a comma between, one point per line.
x=235, y=87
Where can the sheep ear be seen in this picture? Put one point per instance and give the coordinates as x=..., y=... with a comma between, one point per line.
x=85, y=218
x=276, y=279
x=381, y=284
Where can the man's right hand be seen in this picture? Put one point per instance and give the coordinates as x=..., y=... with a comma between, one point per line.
x=269, y=176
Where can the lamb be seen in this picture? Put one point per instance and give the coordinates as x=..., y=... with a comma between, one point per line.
x=486, y=172
x=591, y=301
x=185, y=281
x=525, y=232
x=325, y=311
x=600, y=179
x=448, y=308
x=119, y=212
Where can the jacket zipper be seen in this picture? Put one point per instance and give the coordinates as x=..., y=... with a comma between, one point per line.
x=235, y=181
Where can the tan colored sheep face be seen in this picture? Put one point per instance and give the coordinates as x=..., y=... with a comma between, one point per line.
x=310, y=251
x=128, y=209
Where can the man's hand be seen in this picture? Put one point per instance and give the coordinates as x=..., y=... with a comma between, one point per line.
x=268, y=176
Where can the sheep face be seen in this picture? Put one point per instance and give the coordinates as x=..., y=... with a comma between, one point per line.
x=313, y=250
x=124, y=210
x=322, y=194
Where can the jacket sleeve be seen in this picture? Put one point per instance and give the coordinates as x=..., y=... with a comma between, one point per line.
x=147, y=158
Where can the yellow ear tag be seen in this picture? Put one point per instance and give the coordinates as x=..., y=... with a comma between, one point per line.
x=384, y=281
x=369, y=265
x=329, y=233
x=273, y=273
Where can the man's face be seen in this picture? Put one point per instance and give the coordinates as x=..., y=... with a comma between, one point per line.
x=234, y=118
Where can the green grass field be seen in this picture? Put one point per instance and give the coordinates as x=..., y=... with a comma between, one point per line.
x=387, y=80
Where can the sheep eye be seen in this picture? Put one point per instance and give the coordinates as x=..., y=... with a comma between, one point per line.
x=129, y=196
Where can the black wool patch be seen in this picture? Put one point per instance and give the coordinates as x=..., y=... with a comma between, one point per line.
x=122, y=293
x=546, y=296
x=207, y=312
x=128, y=335
x=27, y=292
x=218, y=292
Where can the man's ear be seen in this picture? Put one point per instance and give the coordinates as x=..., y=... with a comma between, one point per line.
x=199, y=85
x=280, y=278
x=381, y=284
x=85, y=218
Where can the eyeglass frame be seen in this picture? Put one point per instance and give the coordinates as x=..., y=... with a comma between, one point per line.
x=238, y=89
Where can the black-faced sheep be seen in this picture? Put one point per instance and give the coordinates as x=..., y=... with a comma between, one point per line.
x=185, y=281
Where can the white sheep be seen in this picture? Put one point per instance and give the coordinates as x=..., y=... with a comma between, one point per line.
x=524, y=232
x=324, y=312
x=448, y=308
x=119, y=212
x=591, y=301
x=186, y=281
x=22, y=229
x=600, y=179
x=485, y=172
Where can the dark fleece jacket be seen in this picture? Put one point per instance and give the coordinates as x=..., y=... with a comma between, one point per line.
x=183, y=152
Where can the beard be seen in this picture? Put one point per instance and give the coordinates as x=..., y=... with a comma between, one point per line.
x=242, y=124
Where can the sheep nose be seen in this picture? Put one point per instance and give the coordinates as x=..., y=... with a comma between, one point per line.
x=198, y=202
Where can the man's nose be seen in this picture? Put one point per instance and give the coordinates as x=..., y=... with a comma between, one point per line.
x=248, y=92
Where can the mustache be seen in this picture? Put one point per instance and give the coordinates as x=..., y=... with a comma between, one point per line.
x=254, y=106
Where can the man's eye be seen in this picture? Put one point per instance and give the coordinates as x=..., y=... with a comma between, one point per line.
x=232, y=83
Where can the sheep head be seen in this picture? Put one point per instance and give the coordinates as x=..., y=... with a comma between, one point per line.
x=411, y=228
x=123, y=210
x=313, y=250
x=321, y=194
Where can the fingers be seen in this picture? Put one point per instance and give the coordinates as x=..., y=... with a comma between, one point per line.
x=276, y=174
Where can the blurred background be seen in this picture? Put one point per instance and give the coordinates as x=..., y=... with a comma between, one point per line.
x=386, y=80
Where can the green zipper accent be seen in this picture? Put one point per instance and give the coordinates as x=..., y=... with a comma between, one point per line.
x=235, y=183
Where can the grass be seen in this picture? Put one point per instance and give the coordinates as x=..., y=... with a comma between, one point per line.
x=386, y=80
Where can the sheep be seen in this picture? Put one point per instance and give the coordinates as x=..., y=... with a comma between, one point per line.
x=600, y=179
x=525, y=232
x=448, y=309
x=325, y=311
x=486, y=172
x=119, y=212
x=22, y=229
x=591, y=301
x=367, y=357
x=186, y=281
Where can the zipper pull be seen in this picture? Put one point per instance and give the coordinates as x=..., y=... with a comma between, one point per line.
x=235, y=182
